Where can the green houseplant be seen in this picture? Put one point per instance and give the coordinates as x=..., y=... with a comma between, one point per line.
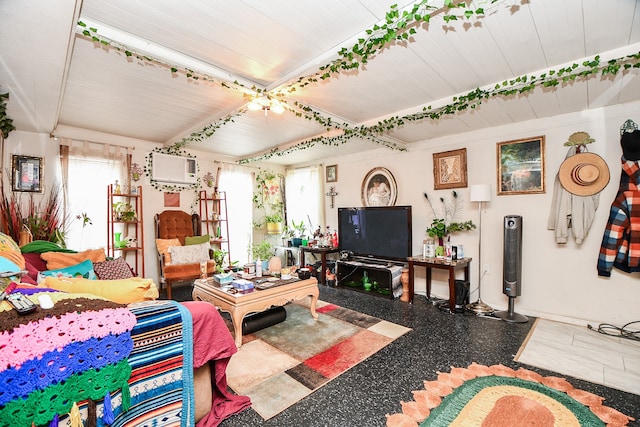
x=124, y=211
x=299, y=230
x=447, y=221
x=218, y=256
x=268, y=197
x=262, y=251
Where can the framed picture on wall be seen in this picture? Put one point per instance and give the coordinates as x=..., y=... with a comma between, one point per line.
x=26, y=174
x=332, y=173
x=450, y=169
x=520, y=166
x=379, y=188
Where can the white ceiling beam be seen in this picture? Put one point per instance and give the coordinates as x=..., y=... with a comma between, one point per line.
x=165, y=55
x=604, y=57
x=314, y=65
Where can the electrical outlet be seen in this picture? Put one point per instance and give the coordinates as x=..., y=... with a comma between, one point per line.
x=485, y=268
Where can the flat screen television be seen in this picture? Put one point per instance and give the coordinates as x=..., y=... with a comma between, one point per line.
x=376, y=232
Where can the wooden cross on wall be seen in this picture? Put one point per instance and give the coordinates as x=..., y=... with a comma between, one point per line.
x=332, y=193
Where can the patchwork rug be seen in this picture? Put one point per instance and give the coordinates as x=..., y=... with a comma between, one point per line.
x=500, y=396
x=280, y=365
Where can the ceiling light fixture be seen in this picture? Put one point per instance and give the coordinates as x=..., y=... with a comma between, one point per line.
x=266, y=104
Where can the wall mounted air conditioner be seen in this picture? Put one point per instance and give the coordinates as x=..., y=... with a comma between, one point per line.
x=173, y=169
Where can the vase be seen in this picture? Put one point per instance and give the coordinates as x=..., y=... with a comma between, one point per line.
x=440, y=249
x=404, y=279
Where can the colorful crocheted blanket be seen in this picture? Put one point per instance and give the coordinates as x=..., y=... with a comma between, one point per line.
x=57, y=358
x=123, y=365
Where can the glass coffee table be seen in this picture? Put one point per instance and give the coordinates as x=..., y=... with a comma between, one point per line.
x=241, y=303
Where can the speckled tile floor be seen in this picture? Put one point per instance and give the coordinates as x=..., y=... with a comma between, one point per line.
x=364, y=394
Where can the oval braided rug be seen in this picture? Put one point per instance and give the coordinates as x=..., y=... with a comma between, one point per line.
x=499, y=396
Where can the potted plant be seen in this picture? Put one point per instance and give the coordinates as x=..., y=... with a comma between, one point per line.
x=219, y=256
x=299, y=230
x=274, y=223
x=287, y=235
x=442, y=225
x=268, y=197
x=262, y=251
x=124, y=212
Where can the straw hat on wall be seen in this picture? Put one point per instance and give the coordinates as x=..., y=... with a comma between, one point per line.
x=584, y=174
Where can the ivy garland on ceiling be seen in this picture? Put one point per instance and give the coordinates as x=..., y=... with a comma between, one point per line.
x=398, y=28
x=519, y=85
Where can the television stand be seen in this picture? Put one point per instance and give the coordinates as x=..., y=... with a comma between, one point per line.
x=383, y=274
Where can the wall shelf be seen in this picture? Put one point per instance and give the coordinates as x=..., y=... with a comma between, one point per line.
x=134, y=255
x=213, y=215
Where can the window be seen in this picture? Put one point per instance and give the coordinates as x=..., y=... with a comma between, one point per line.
x=304, y=197
x=91, y=169
x=237, y=184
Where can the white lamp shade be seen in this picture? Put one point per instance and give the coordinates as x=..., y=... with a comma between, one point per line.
x=480, y=193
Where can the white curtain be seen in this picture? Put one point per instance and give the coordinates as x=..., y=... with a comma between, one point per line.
x=237, y=182
x=304, y=202
x=91, y=168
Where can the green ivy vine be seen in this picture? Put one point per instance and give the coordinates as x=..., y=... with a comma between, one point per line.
x=471, y=100
x=6, y=123
x=398, y=27
x=175, y=150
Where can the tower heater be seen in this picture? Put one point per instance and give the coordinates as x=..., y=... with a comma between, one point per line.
x=512, y=267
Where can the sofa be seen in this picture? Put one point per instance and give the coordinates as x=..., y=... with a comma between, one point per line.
x=172, y=356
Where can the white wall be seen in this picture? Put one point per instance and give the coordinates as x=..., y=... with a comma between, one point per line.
x=559, y=281
x=41, y=145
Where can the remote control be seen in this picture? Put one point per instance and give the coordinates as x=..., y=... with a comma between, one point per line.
x=22, y=304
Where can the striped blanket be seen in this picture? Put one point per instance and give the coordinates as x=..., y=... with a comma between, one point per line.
x=161, y=390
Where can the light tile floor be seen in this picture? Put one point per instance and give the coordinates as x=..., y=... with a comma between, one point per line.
x=583, y=353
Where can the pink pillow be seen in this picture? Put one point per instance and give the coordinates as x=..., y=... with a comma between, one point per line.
x=33, y=265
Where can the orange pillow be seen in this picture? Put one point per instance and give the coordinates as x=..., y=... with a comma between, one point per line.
x=14, y=257
x=163, y=246
x=56, y=260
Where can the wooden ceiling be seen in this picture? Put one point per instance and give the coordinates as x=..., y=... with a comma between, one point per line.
x=63, y=83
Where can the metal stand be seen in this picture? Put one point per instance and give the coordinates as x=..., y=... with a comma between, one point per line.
x=479, y=307
x=510, y=316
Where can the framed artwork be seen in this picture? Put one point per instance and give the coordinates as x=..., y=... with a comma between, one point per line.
x=379, y=188
x=26, y=174
x=332, y=173
x=450, y=169
x=171, y=200
x=520, y=166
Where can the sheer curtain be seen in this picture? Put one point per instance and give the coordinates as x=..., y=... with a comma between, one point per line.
x=237, y=182
x=303, y=190
x=90, y=168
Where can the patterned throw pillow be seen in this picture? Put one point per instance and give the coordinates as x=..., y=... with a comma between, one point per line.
x=189, y=254
x=83, y=270
x=114, y=269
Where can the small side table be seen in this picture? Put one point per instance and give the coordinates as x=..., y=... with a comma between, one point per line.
x=323, y=257
x=443, y=264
